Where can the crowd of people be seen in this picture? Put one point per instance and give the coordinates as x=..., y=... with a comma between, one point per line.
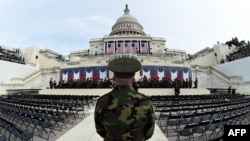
x=11, y=55
x=237, y=50
x=144, y=82
x=89, y=83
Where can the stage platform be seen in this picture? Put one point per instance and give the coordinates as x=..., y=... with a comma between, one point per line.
x=146, y=91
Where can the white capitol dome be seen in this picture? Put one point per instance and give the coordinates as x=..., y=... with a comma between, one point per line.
x=126, y=23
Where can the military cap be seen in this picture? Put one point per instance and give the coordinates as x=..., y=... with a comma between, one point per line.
x=124, y=67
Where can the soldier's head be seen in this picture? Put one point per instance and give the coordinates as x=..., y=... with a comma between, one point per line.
x=124, y=69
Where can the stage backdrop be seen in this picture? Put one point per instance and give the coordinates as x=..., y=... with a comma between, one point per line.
x=101, y=72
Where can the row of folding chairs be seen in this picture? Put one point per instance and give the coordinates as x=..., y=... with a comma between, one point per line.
x=165, y=111
x=166, y=117
x=192, y=98
x=11, y=132
x=164, y=101
x=200, y=97
x=39, y=120
x=177, y=121
x=211, y=129
x=172, y=118
x=37, y=123
x=54, y=97
x=43, y=101
x=69, y=109
x=195, y=109
x=75, y=110
x=42, y=114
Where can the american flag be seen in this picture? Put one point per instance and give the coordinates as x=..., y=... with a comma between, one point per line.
x=168, y=74
x=144, y=47
x=89, y=74
x=95, y=73
x=70, y=74
x=120, y=48
x=180, y=74
x=110, y=48
x=127, y=47
x=173, y=75
x=153, y=73
x=76, y=75
x=185, y=75
x=134, y=47
x=83, y=74
x=65, y=76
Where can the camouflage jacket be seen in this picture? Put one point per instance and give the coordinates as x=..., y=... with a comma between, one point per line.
x=124, y=115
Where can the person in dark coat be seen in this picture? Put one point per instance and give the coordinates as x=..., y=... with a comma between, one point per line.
x=51, y=83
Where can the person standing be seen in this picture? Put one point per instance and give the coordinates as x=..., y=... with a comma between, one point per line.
x=177, y=86
x=229, y=90
x=196, y=83
x=190, y=82
x=124, y=114
x=54, y=84
x=51, y=83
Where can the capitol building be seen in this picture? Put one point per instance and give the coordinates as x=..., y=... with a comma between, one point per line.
x=217, y=68
x=126, y=39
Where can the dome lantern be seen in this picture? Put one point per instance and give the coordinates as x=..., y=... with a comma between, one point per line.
x=126, y=10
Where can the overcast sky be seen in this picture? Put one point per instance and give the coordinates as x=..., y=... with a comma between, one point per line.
x=68, y=25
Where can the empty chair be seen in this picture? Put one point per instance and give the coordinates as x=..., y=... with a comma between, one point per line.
x=23, y=135
x=59, y=122
x=182, y=123
x=2, y=137
x=79, y=110
x=70, y=114
x=172, y=125
x=195, y=120
x=186, y=133
x=199, y=132
x=16, y=132
x=46, y=128
x=35, y=124
x=164, y=114
x=211, y=128
x=154, y=100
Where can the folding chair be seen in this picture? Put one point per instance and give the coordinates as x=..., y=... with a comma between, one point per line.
x=59, y=122
x=186, y=133
x=79, y=110
x=172, y=125
x=212, y=127
x=46, y=128
x=199, y=131
x=2, y=137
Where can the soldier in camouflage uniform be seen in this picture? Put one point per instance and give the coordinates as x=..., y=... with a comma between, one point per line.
x=124, y=114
